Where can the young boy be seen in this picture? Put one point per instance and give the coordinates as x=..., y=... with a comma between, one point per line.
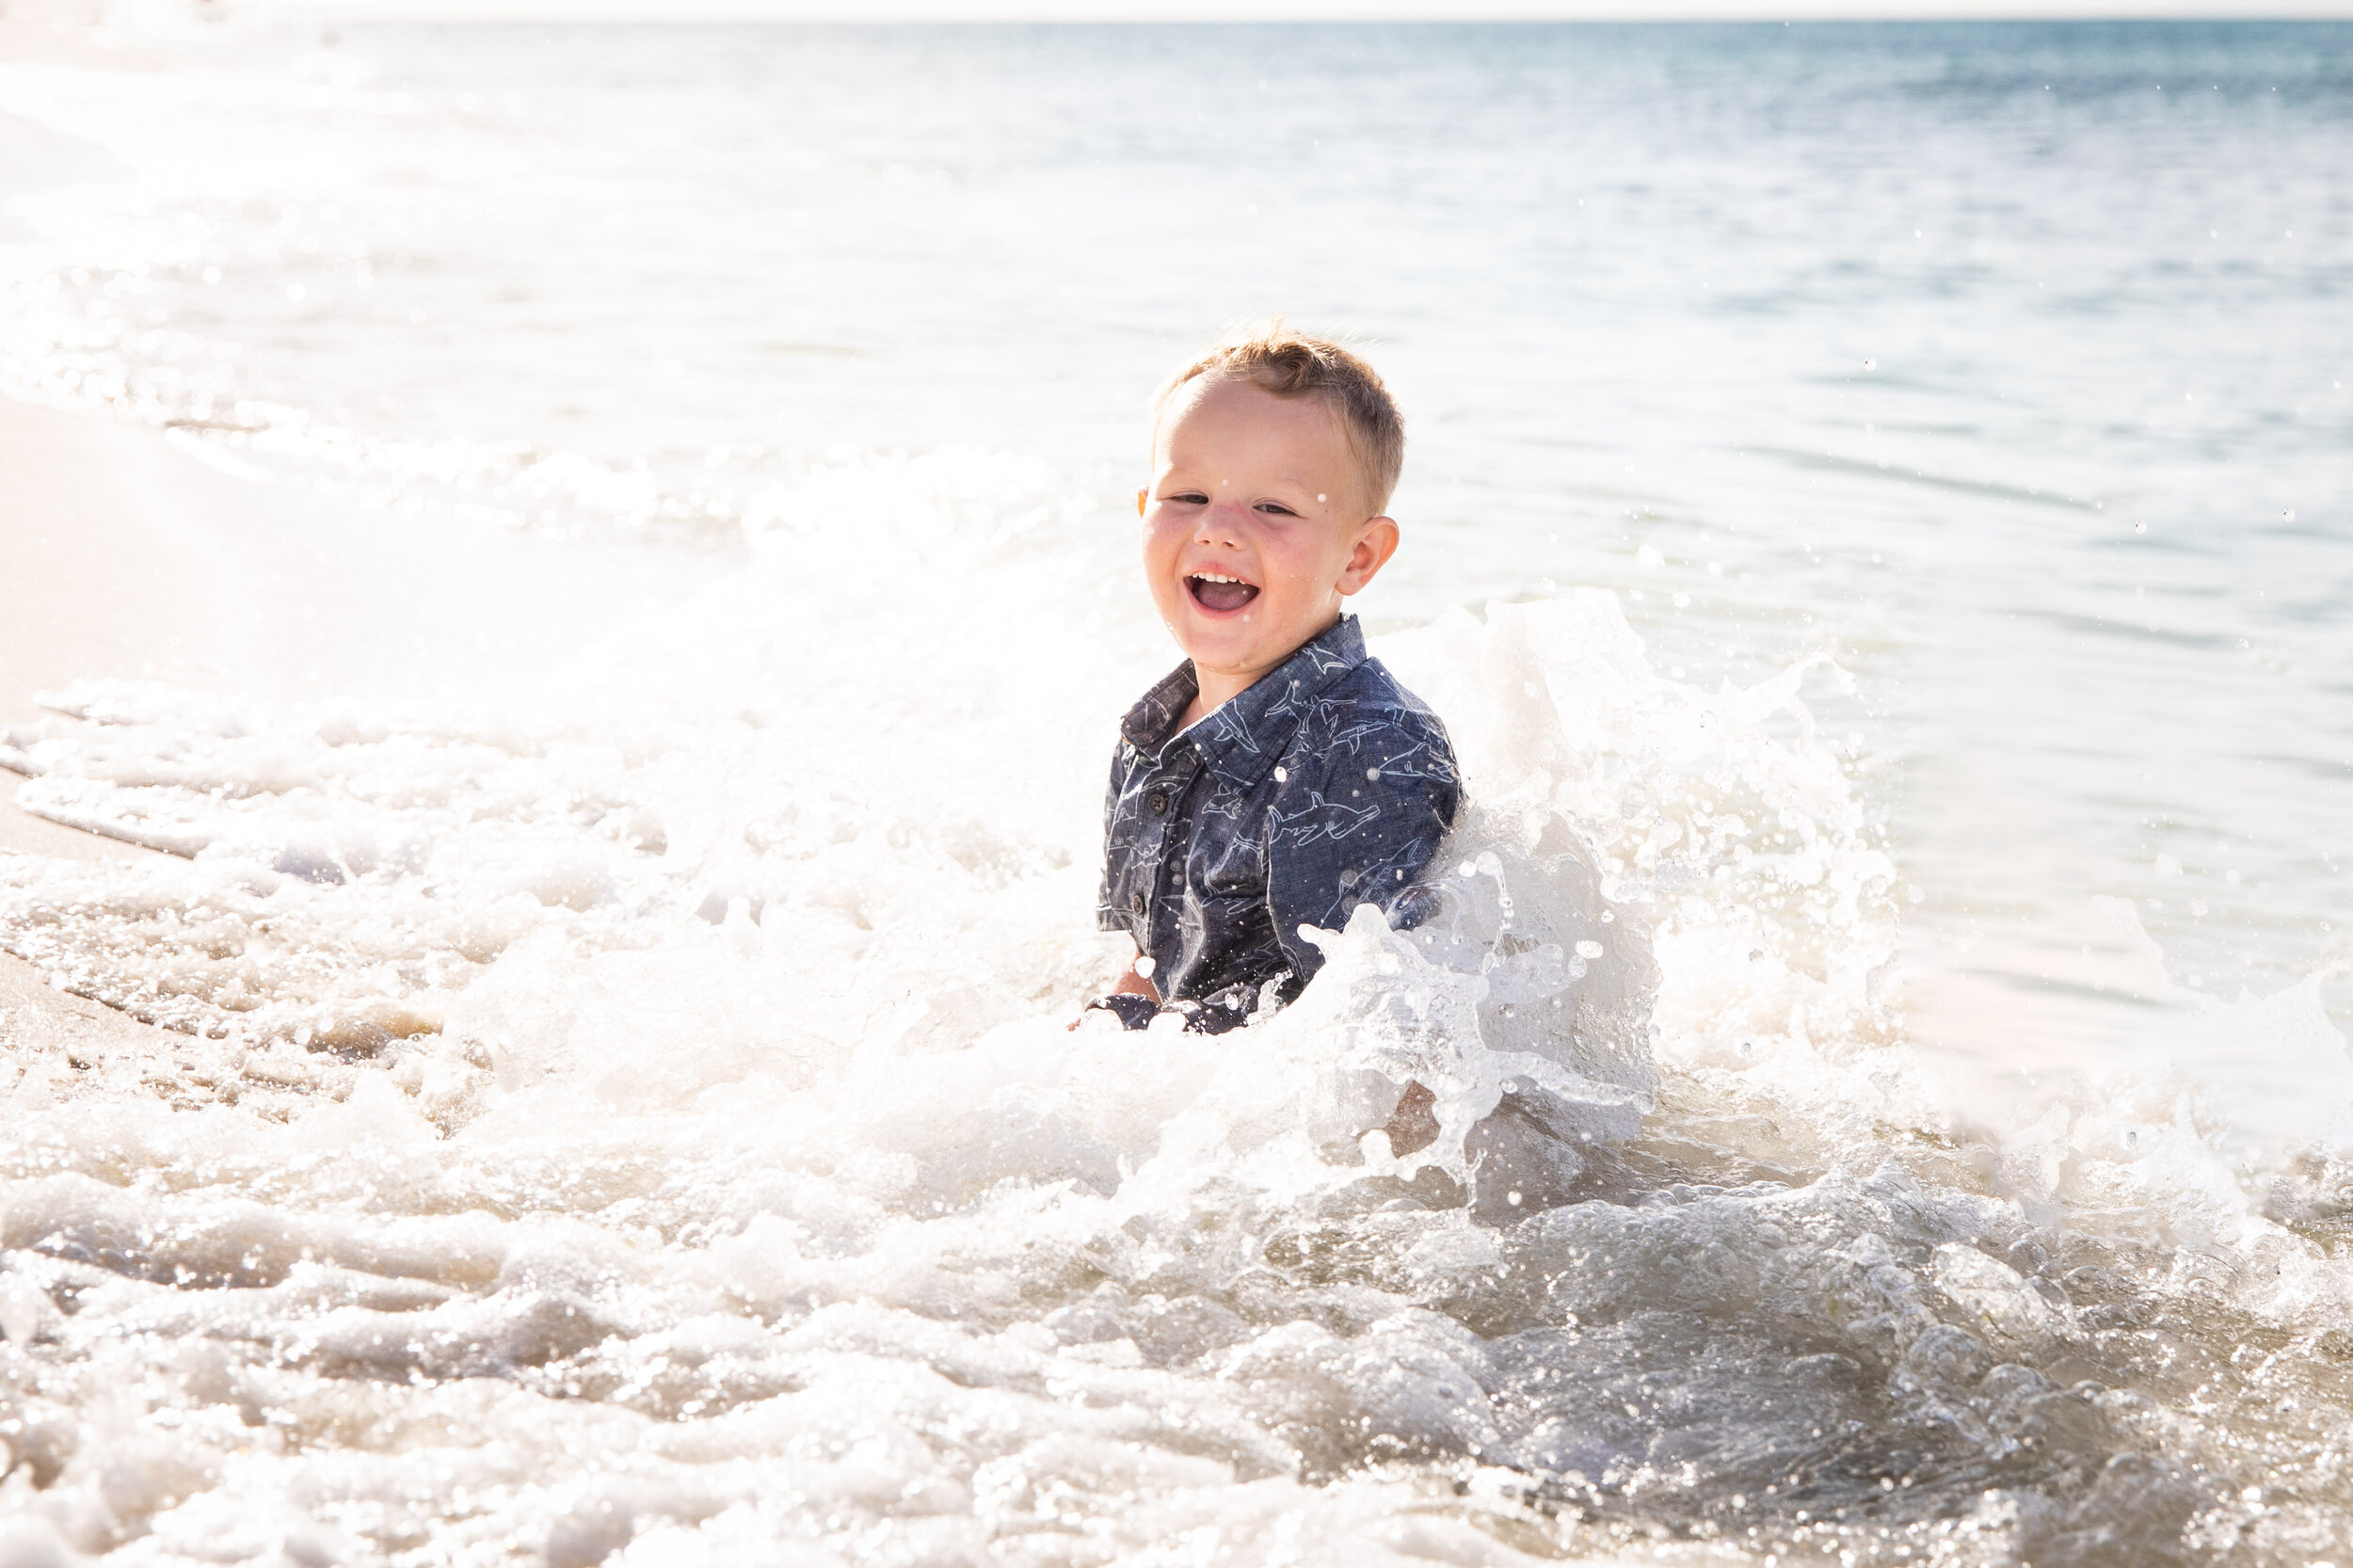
x=1279, y=778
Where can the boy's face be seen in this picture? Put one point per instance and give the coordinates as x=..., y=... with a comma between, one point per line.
x=1255, y=527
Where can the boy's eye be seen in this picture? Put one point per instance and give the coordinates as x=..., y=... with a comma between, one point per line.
x=1277, y=508
x=1195, y=497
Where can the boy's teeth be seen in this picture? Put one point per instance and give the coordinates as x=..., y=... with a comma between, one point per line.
x=1216, y=591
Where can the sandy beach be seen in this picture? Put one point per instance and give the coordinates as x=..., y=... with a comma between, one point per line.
x=125, y=555
x=64, y=594
x=128, y=558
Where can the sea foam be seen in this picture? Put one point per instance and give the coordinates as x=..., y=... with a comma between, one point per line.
x=635, y=1114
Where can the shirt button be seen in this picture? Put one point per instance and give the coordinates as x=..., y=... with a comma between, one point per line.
x=1158, y=802
x=1135, y=902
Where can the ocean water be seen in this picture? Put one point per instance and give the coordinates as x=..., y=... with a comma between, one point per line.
x=1878, y=522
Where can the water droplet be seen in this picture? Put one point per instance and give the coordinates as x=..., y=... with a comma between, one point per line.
x=1589, y=949
x=2140, y=528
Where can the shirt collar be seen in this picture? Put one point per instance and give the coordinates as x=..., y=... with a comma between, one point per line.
x=1243, y=739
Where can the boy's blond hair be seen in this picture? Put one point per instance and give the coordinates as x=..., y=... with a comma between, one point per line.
x=1272, y=357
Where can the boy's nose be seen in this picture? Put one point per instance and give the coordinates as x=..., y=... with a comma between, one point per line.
x=1220, y=524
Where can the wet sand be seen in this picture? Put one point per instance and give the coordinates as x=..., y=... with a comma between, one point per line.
x=126, y=556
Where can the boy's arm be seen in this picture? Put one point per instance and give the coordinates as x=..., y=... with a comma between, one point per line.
x=1353, y=840
x=1109, y=916
x=1357, y=825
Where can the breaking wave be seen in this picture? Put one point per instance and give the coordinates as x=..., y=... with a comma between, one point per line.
x=632, y=1117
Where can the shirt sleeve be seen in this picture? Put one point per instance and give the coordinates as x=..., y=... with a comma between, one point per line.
x=1358, y=821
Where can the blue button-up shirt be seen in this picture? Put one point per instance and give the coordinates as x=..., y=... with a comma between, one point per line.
x=1324, y=786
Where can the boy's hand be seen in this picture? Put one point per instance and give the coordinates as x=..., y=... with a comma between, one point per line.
x=1132, y=984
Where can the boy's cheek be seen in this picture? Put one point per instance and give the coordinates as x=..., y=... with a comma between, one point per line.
x=1166, y=596
x=1162, y=541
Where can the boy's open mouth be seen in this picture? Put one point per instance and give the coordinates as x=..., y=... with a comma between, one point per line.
x=1215, y=591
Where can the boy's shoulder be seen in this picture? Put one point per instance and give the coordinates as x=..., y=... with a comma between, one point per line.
x=1372, y=692
x=1358, y=734
x=1368, y=702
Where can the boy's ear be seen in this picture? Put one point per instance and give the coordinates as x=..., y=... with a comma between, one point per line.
x=1375, y=543
x=1139, y=492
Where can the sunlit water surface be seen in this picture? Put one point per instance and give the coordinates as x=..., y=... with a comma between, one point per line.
x=1876, y=524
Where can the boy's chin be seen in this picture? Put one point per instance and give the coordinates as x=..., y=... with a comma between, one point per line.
x=1233, y=644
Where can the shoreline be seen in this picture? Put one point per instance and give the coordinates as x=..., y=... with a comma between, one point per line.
x=128, y=557
x=47, y=623
x=131, y=559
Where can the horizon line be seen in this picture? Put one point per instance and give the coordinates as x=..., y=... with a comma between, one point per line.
x=1228, y=12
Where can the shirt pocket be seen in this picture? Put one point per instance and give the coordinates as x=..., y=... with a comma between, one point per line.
x=1227, y=860
x=1226, y=886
